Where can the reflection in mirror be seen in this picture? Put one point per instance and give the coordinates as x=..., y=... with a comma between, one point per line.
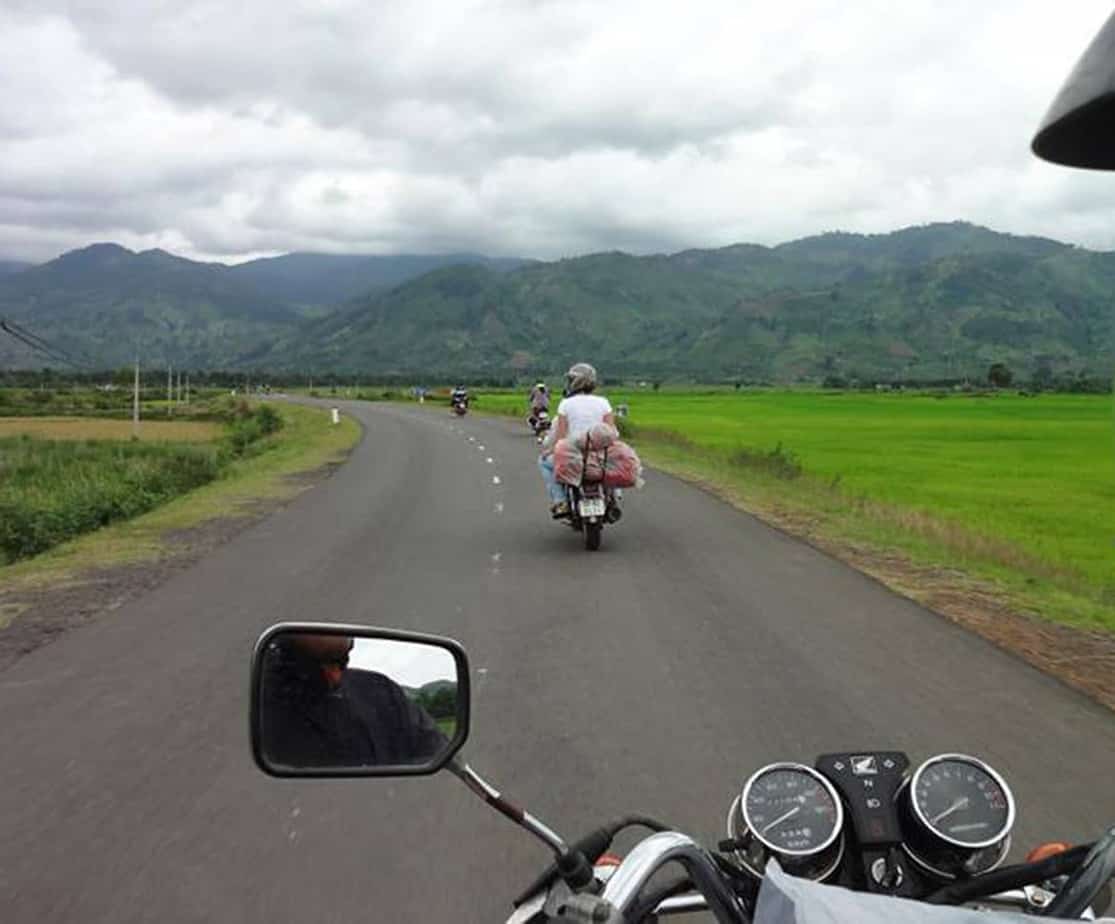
x=338, y=702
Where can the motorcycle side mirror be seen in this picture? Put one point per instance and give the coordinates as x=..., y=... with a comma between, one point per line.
x=1077, y=129
x=346, y=701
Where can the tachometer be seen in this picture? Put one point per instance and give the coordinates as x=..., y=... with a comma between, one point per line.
x=790, y=811
x=958, y=815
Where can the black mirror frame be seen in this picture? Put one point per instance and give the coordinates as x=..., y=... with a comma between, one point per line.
x=1076, y=131
x=324, y=628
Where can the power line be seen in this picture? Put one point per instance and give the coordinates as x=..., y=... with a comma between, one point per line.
x=33, y=345
x=38, y=345
x=30, y=338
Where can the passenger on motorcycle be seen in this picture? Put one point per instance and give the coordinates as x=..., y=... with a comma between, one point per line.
x=577, y=413
x=539, y=399
x=459, y=395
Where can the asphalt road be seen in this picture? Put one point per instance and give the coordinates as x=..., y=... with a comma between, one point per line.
x=653, y=676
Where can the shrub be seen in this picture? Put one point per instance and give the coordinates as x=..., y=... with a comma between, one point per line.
x=1000, y=375
x=779, y=462
x=249, y=427
x=270, y=420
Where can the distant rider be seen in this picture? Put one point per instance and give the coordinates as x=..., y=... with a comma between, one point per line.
x=459, y=395
x=539, y=401
x=577, y=413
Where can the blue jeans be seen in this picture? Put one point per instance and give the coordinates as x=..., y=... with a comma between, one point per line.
x=555, y=490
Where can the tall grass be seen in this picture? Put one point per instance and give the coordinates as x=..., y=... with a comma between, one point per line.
x=52, y=490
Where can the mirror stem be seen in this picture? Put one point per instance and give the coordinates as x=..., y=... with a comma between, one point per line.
x=520, y=816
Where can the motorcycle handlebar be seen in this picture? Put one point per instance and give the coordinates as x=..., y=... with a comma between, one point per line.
x=650, y=855
x=1085, y=883
x=575, y=864
x=1010, y=877
x=623, y=897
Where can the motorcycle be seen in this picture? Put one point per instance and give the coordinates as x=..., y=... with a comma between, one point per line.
x=591, y=505
x=861, y=836
x=539, y=422
x=459, y=406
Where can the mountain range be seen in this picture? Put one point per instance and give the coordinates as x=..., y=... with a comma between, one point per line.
x=935, y=301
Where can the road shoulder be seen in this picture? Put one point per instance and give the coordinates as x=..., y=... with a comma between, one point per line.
x=1078, y=656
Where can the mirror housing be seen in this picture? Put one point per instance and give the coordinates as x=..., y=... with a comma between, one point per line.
x=333, y=700
x=1079, y=128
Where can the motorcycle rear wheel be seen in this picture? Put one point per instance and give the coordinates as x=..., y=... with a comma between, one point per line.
x=593, y=532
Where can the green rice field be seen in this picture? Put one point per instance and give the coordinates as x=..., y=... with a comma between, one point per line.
x=1017, y=487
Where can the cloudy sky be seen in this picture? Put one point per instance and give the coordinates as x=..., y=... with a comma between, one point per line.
x=530, y=127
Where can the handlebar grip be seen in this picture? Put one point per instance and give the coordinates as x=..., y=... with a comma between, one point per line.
x=574, y=866
x=1084, y=884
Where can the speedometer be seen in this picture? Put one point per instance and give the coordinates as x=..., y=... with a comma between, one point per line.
x=792, y=809
x=963, y=801
x=791, y=812
x=957, y=814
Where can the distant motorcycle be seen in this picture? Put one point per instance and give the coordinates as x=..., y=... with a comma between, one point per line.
x=539, y=422
x=459, y=406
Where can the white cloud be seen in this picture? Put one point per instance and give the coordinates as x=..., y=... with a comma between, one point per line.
x=532, y=127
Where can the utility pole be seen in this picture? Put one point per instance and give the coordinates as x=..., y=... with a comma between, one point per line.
x=187, y=389
x=169, y=391
x=179, y=386
x=135, y=404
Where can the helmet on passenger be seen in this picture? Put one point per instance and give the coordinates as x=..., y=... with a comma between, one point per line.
x=541, y=386
x=580, y=379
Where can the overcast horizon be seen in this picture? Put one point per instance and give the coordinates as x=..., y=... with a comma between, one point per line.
x=233, y=261
x=533, y=129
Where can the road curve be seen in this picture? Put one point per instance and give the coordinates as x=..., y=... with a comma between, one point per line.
x=654, y=676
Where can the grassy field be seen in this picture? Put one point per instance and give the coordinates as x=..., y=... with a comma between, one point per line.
x=104, y=428
x=62, y=477
x=1017, y=489
x=253, y=467
x=53, y=490
x=93, y=402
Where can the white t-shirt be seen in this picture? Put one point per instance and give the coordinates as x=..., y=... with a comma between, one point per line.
x=582, y=411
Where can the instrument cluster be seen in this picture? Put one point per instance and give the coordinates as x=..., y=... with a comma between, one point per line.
x=864, y=819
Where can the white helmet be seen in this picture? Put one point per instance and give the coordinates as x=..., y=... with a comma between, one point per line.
x=580, y=379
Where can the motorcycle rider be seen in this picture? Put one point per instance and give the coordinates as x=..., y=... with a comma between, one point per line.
x=577, y=413
x=319, y=712
x=539, y=403
x=459, y=395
